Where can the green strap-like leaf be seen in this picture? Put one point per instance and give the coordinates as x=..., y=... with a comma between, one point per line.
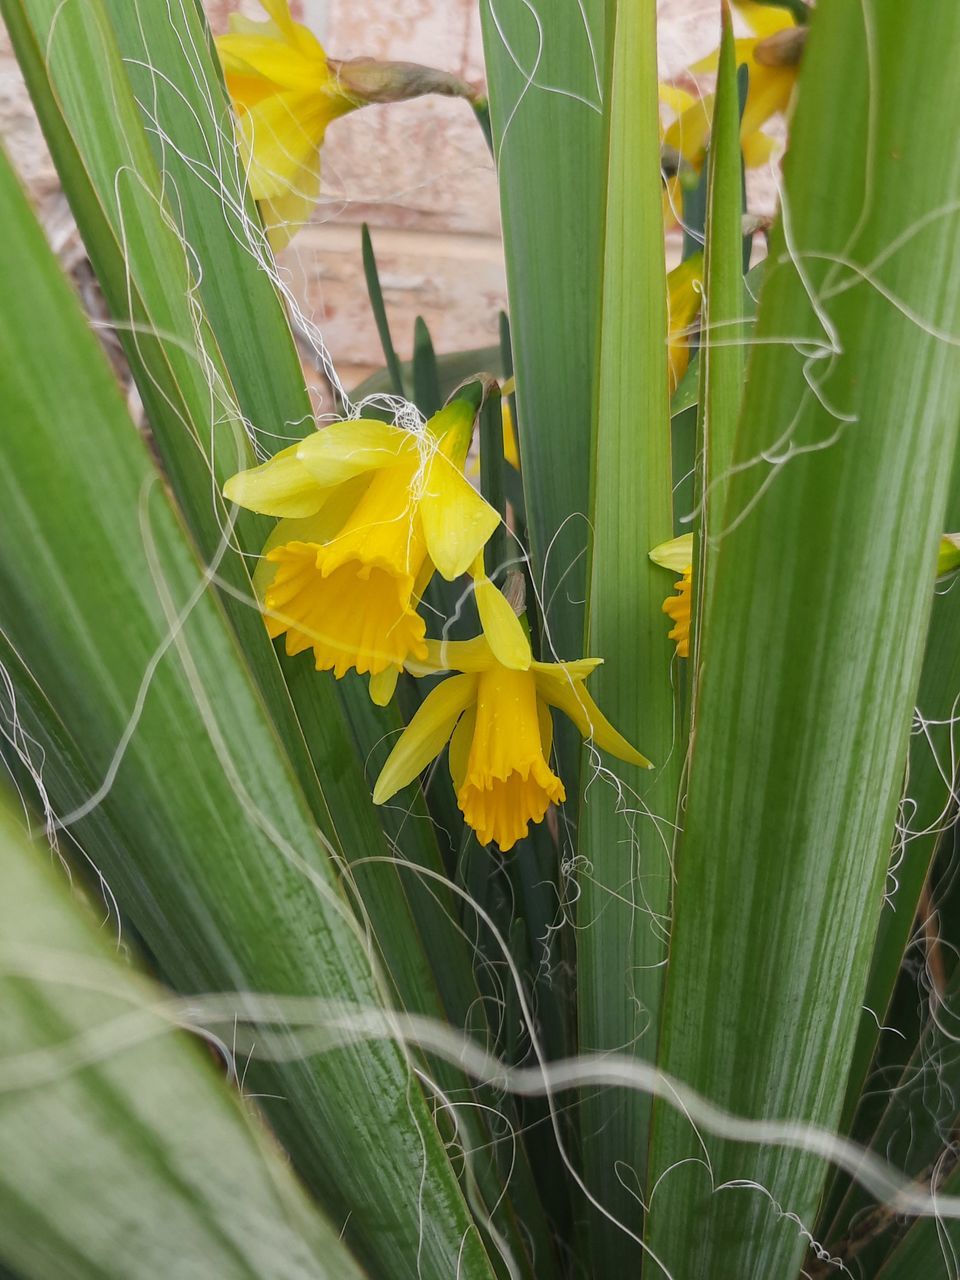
x=626, y=820
x=721, y=358
x=124, y=1157
x=233, y=887
x=546, y=71
x=814, y=637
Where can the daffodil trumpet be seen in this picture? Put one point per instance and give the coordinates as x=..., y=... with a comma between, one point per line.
x=495, y=712
x=285, y=91
x=367, y=513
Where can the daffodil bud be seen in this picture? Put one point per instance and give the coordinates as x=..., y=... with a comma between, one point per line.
x=782, y=49
x=369, y=81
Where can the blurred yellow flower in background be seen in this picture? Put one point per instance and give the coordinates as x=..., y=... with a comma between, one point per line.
x=772, y=54
x=684, y=295
x=285, y=93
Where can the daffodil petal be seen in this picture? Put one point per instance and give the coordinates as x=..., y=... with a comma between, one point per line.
x=579, y=669
x=764, y=19
x=238, y=25
x=501, y=626
x=285, y=214
x=278, y=133
x=347, y=449
x=757, y=149
x=689, y=132
x=676, y=554
x=457, y=522
x=570, y=697
x=460, y=744
x=256, y=50
x=674, y=97
x=383, y=686
x=426, y=735
x=280, y=487
x=453, y=655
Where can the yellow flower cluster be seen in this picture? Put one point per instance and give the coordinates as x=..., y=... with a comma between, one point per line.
x=367, y=513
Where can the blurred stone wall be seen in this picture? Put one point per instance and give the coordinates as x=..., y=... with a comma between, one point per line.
x=419, y=173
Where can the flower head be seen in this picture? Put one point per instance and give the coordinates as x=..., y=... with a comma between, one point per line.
x=368, y=513
x=285, y=93
x=677, y=554
x=496, y=716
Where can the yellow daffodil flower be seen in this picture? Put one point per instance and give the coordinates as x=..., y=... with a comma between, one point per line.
x=285, y=93
x=677, y=554
x=496, y=716
x=772, y=55
x=368, y=513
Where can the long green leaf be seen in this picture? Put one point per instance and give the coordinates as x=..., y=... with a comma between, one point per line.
x=814, y=638
x=78, y=84
x=105, y=1116
x=721, y=358
x=626, y=822
x=546, y=72
x=233, y=885
x=931, y=791
x=182, y=102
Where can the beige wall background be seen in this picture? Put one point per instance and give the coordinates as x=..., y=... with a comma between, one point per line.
x=419, y=173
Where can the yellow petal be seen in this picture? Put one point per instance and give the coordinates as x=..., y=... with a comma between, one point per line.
x=689, y=132
x=426, y=735
x=570, y=697
x=675, y=98
x=676, y=555
x=346, y=449
x=683, y=302
x=501, y=626
x=768, y=92
x=281, y=487
x=457, y=522
x=383, y=685
x=454, y=655
x=758, y=147
x=255, y=50
x=285, y=214
x=672, y=199
x=764, y=19
x=278, y=135
x=460, y=744
x=511, y=449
